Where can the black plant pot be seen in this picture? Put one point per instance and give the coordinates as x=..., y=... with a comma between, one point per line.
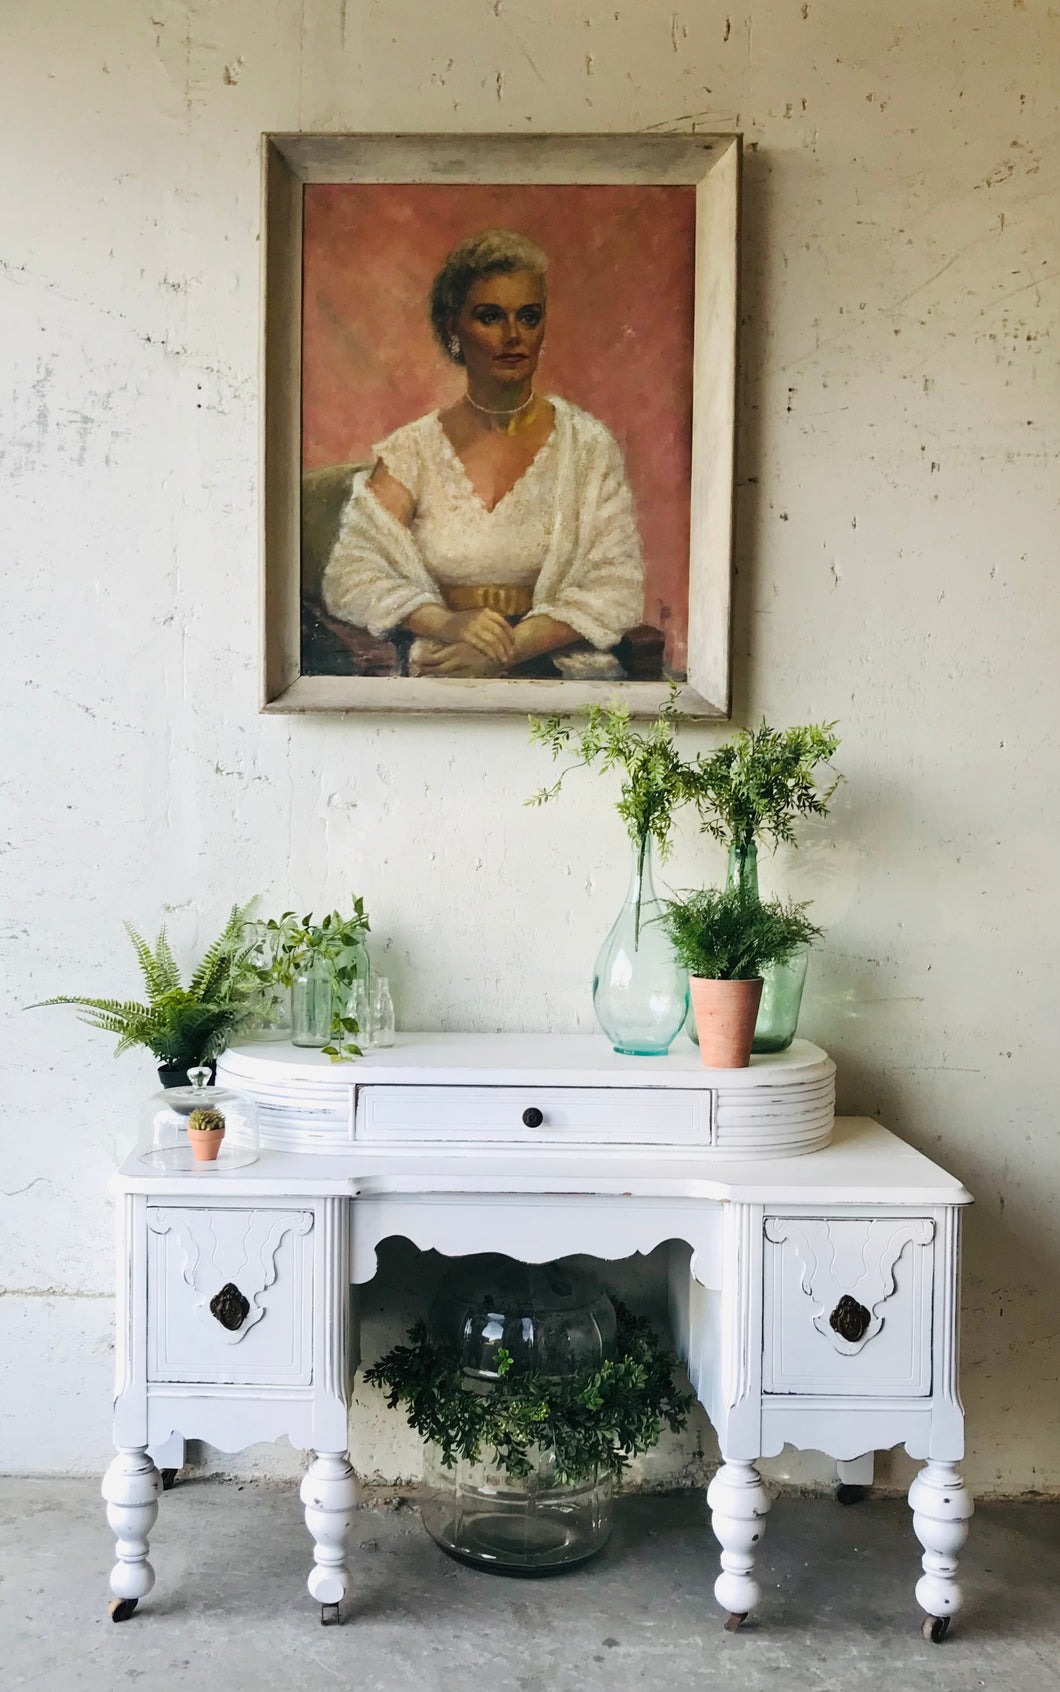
x=171, y=1076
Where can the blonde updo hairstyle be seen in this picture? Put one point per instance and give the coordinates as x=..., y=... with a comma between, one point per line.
x=492, y=252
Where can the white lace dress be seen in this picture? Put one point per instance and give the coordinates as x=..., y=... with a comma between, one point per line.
x=566, y=532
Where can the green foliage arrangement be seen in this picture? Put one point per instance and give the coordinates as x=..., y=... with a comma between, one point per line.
x=725, y=935
x=340, y=942
x=596, y=1420
x=655, y=779
x=757, y=784
x=182, y=1026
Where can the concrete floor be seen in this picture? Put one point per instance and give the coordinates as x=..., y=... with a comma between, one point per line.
x=230, y=1609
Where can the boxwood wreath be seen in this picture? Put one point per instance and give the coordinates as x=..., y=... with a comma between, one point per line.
x=594, y=1421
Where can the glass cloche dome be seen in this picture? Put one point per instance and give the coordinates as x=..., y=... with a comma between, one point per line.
x=554, y=1322
x=198, y=1128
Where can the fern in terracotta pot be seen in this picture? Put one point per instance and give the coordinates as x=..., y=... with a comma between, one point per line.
x=757, y=789
x=725, y=938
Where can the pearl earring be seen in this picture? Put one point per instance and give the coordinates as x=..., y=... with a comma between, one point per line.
x=454, y=347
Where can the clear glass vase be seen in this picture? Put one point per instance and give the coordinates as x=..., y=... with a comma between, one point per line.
x=311, y=1003
x=554, y=1322
x=270, y=1015
x=640, y=991
x=782, y=984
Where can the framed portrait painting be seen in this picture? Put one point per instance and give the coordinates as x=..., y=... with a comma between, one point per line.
x=499, y=420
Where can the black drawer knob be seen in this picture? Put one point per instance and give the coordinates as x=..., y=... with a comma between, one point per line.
x=533, y=1117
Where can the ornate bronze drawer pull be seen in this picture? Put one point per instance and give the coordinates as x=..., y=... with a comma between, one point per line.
x=230, y=1307
x=849, y=1319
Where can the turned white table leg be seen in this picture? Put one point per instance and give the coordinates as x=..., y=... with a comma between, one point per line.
x=738, y=1503
x=131, y=1487
x=942, y=1508
x=329, y=1493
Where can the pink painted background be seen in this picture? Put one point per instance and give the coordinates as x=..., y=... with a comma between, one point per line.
x=619, y=338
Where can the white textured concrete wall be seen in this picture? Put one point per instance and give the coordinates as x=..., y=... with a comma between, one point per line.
x=897, y=571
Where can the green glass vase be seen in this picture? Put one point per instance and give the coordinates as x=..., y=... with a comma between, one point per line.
x=782, y=984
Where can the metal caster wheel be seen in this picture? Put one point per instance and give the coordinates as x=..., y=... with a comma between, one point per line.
x=732, y=1625
x=169, y=1478
x=330, y=1616
x=846, y=1494
x=122, y=1608
x=935, y=1629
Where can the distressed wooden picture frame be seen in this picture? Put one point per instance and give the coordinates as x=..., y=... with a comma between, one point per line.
x=710, y=167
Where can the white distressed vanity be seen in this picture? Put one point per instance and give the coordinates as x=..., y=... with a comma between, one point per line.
x=814, y=1267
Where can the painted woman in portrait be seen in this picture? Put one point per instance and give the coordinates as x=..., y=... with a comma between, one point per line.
x=497, y=535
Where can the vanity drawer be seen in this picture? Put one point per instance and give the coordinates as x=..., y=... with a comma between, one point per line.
x=847, y=1306
x=533, y=1115
x=229, y=1295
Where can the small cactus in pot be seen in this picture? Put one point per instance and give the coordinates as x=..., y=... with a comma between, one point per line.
x=206, y=1130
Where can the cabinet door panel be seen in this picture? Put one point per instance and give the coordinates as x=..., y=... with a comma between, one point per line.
x=847, y=1306
x=230, y=1295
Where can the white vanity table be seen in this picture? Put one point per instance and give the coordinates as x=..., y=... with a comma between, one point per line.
x=813, y=1262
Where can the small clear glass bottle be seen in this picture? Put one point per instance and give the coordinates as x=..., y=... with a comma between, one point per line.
x=355, y=1005
x=381, y=1012
x=311, y=1003
x=556, y=1322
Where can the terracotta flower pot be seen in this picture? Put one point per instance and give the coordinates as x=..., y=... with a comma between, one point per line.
x=205, y=1143
x=725, y=1012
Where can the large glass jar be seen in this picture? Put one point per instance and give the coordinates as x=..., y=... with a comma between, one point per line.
x=555, y=1322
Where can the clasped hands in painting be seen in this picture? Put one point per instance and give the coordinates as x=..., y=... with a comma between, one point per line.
x=481, y=642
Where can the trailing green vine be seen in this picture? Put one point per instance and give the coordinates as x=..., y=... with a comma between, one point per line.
x=594, y=1421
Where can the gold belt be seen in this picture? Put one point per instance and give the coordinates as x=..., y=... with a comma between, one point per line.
x=507, y=598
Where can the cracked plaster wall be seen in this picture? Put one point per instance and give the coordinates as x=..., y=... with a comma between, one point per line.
x=896, y=570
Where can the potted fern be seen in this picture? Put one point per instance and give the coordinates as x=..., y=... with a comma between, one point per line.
x=725, y=938
x=184, y=1027
x=755, y=790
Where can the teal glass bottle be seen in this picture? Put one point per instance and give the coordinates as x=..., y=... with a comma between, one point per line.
x=782, y=984
x=640, y=991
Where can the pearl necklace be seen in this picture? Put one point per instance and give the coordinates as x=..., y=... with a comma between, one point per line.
x=490, y=411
